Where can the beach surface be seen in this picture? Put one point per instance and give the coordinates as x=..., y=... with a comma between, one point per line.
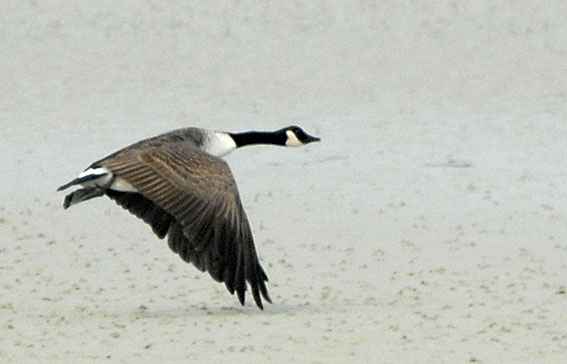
x=428, y=226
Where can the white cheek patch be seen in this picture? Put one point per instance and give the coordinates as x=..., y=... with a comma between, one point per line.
x=292, y=140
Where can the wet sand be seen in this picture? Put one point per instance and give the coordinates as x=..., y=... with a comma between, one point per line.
x=428, y=226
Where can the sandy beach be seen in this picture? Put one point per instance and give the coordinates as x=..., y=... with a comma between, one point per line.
x=428, y=226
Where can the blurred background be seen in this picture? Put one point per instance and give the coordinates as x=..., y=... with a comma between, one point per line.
x=429, y=225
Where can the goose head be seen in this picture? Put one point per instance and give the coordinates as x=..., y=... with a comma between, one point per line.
x=294, y=136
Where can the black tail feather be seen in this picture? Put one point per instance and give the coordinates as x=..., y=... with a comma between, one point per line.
x=80, y=180
x=74, y=182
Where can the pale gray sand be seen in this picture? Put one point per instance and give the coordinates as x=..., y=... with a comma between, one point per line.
x=429, y=226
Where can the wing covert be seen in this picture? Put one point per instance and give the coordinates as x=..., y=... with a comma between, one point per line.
x=210, y=228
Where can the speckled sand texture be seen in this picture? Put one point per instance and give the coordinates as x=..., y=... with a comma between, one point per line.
x=429, y=225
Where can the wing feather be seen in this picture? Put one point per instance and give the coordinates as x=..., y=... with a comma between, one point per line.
x=197, y=201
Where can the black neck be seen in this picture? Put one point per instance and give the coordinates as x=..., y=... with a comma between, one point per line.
x=258, y=137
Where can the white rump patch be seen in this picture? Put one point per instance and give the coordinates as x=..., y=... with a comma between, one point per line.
x=101, y=177
x=292, y=140
x=218, y=143
x=95, y=177
x=92, y=172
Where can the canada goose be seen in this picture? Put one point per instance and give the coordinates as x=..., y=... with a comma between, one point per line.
x=177, y=183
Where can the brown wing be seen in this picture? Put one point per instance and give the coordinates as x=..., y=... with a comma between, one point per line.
x=207, y=225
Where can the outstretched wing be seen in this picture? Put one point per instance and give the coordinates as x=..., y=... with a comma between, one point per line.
x=197, y=201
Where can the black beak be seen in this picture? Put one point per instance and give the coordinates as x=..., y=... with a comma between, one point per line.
x=311, y=139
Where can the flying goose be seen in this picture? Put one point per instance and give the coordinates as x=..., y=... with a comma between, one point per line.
x=178, y=184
